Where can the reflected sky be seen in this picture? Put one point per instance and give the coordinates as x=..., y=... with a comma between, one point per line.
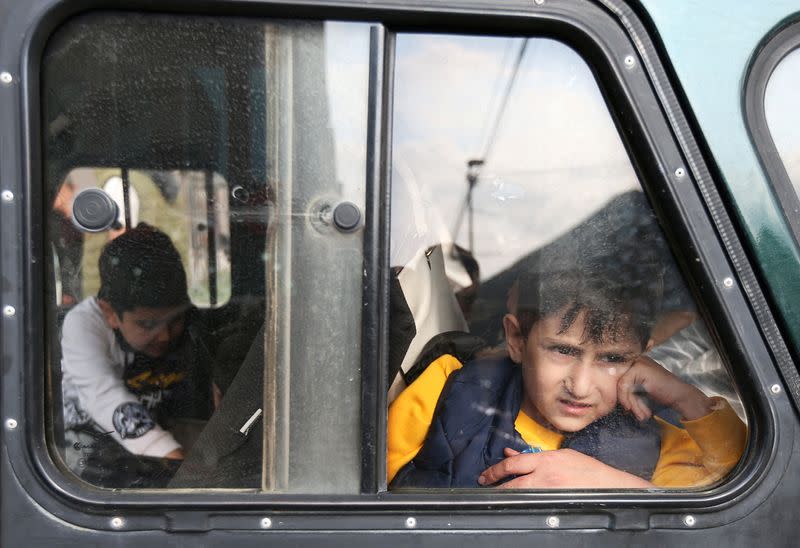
x=346, y=82
x=556, y=156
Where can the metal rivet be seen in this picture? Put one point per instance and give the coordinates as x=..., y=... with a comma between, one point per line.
x=117, y=522
x=411, y=522
x=266, y=523
x=9, y=310
x=727, y=282
x=775, y=388
x=11, y=424
x=629, y=61
x=538, y=2
x=6, y=78
x=680, y=172
x=553, y=522
x=689, y=521
x=7, y=195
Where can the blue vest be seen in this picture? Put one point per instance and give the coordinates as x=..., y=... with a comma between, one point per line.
x=474, y=421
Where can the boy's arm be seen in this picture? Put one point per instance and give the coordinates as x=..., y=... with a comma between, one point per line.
x=88, y=364
x=713, y=438
x=704, y=451
x=411, y=413
x=559, y=469
x=663, y=387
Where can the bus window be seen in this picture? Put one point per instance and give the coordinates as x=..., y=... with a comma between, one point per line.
x=205, y=293
x=782, y=115
x=531, y=270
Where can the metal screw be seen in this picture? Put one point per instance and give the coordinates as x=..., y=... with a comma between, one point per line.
x=629, y=61
x=727, y=282
x=411, y=523
x=9, y=310
x=117, y=522
x=7, y=195
x=266, y=523
x=775, y=388
x=11, y=424
x=6, y=78
x=680, y=173
x=553, y=522
x=689, y=521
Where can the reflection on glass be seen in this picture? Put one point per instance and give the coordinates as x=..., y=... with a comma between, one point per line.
x=554, y=131
x=204, y=312
x=783, y=114
x=536, y=305
x=176, y=201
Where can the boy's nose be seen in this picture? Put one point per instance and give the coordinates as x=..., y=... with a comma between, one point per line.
x=579, y=382
x=163, y=334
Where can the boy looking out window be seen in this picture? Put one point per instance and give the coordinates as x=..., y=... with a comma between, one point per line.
x=570, y=406
x=134, y=358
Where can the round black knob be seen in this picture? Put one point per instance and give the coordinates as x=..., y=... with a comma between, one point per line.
x=346, y=216
x=94, y=211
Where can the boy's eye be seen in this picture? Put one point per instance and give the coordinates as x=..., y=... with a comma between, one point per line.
x=565, y=350
x=614, y=358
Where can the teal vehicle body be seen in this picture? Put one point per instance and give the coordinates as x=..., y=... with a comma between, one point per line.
x=711, y=46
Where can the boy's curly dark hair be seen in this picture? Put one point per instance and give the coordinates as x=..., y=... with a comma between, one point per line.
x=617, y=294
x=141, y=267
x=612, y=308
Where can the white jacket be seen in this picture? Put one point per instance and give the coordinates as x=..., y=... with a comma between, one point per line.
x=92, y=364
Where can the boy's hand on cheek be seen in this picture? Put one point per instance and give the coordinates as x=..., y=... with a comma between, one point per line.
x=663, y=387
x=563, y=468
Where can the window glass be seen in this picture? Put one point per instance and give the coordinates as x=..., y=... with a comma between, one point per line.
x=204, y=304
x=535, y=303
x=780, y=105
x=178, y=202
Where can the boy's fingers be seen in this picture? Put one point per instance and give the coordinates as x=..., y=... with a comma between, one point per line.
x=624, y=390
x=516, y=483
x=627, y=397
x=510, y=466
x=622, y=395
x=641, y=410
x=510, y=452
x=647, y=411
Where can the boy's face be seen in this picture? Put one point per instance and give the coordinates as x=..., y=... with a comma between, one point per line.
x=569, y=383
x=150, y=331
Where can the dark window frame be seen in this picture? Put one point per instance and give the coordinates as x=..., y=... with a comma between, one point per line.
x=43, y=480
x=776, y=47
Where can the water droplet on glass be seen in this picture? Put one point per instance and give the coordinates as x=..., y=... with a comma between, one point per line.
x=503, y=190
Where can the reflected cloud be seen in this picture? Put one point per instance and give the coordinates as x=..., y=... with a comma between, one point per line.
x=555, y=159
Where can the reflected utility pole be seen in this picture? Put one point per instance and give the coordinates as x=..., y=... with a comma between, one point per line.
x=475, y=165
